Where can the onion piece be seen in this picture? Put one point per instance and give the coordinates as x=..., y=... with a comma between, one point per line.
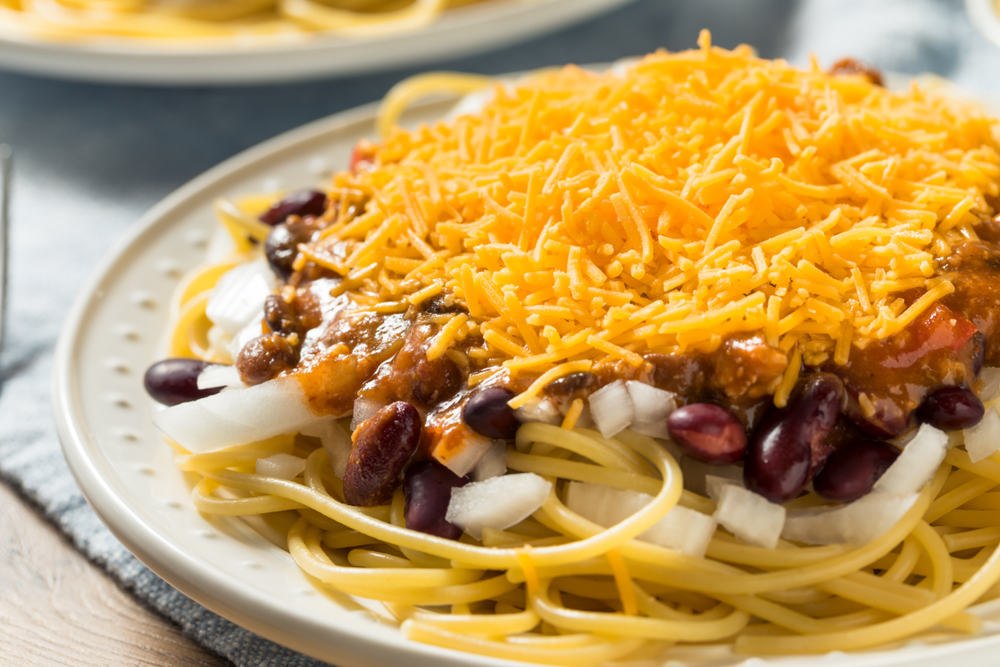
x=335, y=441
x=282, y=466
x=696, y=474
x=219, y=375
x=471, y=103
x=498, y=502
x=714, y=485
x=364, y=409
x=238, y=416
x=239, y=295
x=917, y=463
x=856, y=523
x=990, y=377
x=682, y=529
x=539, y=410
x=462, y=459
x=983, y=439
x=652, y=406
x=750, y=517
x=612, y=409
x=493, y=463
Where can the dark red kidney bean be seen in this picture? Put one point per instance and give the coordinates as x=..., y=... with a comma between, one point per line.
x=853, y=468
x=951, y=408
x=428, y=486
x=266, y=357
x=174, y=381
x=487, y=413
x=788, y=445
x=301, y=203
x=435, y=381
x=282, y=245
x=574, y=385
x=280, y=317
x=382, y=447
x=708, y=433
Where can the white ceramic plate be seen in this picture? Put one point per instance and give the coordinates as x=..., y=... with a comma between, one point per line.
x=457, y=32
x=116, y=329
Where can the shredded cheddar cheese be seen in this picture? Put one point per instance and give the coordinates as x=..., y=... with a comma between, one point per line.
x=581, y=217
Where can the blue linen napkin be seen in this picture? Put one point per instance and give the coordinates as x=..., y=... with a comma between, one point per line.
x=90, y=159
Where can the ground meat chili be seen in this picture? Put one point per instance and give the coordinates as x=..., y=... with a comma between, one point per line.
x=349, y=351
x=342, y=351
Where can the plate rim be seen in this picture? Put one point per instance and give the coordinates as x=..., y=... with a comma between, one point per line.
x=190, y=575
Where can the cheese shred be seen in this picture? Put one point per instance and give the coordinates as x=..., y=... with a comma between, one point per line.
x=667, y=205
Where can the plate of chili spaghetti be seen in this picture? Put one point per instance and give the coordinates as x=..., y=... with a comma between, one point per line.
x=602, y=367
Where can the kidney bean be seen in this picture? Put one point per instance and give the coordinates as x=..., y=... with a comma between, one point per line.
x=266, y=357
x=282, y=245
x=708, y=433
x=853, y=468
x=174, y=381
x=951, y=408
x=301, y=203
x=428, y=486
x=574, y=385
x=382, y=447
x=435, y=381
x=279, y=315
x=487, y=413
x=788, y=445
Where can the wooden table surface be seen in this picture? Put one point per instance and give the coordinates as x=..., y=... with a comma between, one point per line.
x=57, y=608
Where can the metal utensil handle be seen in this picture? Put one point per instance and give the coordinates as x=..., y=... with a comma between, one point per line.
x=5, y=163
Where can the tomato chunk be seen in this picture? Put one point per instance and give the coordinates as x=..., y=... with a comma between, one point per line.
x=888, y=379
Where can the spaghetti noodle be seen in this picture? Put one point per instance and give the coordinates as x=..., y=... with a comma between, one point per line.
x=564, y=236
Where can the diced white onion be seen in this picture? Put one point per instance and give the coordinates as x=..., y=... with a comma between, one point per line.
x=239, y=295
x=714, y=485
x=493, y=463
x=466, y=456
x=472, y=103
x=612, y=409
x=750, y=517
x=991, y=384
x=335, y=441
x=282, y=466
x=917, y=463
x=218, y=375
x=498, y=502
x=539, y=410
x=364, y=409
x=651, y=406
x=983, y=439
x=238, y=416
x=682, y=529
x=856, y=523
x=696, y=474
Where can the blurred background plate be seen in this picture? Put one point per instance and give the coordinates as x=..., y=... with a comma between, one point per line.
x=984, y=15
x=456, y=32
